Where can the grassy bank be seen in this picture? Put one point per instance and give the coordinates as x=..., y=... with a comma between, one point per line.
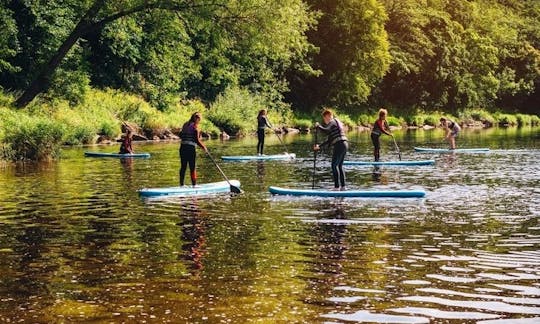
x=466, y=118
x=38, y=131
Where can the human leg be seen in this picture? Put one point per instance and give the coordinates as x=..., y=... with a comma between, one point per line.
x=338, y=156
x=260, y=142
x=375, y=139
x=183, y=163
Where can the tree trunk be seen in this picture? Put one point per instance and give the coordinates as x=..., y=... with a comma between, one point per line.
x=42, y=80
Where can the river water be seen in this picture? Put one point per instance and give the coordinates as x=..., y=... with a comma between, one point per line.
x=77, y=243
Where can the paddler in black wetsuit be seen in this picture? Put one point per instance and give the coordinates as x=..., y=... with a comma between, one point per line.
x=379, y=127
x=191, y=137
x=451, y=129
x=337, y=139
x=262, y=123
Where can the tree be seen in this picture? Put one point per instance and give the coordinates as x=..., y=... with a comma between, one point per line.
x=163, y=48
x=8, y=38
x=353, y=54
x=96, y=16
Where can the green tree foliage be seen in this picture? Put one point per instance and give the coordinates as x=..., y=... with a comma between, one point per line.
x=159, y=49
x=443, y=55
x=8, y=38
x=457, y=54
x=353, y=54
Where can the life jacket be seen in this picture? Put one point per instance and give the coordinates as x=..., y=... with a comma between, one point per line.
x=336, y=132
x=377, y=127
x=262, y=122
x=189, y=134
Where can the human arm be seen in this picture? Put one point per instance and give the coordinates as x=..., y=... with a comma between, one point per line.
x=267, y=122
x=198, y=138
x=385, y=128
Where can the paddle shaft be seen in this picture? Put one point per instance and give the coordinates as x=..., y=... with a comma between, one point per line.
x=233, y=188
x=315, y=158
x=283, y=143
x=397, y=148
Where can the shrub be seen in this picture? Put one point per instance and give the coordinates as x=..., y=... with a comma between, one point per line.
x=431, y=119
x=535, y=120
x=506, y=119
x=34, y=138
x=346, y=120
x=415, y=120
x=364, y=120
x=235, y=110
x=395, y=121
x=469, y=116
x=524, y=120
x=79, y=134
x=301, y=123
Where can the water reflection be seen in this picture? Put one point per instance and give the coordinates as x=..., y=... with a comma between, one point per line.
x=193, y=234
x=77, y=243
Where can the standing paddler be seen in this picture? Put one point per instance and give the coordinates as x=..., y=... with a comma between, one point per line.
x=191, y=138
x=336, y=138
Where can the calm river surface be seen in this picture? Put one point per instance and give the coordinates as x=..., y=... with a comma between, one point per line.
x=77, y=243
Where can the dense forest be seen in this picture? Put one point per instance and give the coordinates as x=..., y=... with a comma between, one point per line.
x=407, y=54
x=92, y=64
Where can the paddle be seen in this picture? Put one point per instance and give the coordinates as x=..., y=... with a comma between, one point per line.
x=283, y=143
x=314, y=158
x=234, y=189
x=397, y=148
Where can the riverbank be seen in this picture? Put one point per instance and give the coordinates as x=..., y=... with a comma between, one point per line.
x=38, y=131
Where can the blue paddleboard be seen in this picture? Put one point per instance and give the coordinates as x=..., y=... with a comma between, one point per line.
x=285, y=156
x=438, y=150
x=199, y=190
x=117, y=155
x=390, y=163
x=348, y=193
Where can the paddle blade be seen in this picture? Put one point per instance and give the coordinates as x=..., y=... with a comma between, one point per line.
x=235, y=189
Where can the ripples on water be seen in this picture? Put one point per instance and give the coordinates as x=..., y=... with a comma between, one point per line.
x=77, y=244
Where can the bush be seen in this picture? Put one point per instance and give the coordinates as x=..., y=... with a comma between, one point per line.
x=506, y=119
x=302, y=123
x=535, y=120
x=481, y=115
x=415, y=120
x=79, y=134
x=235, y=111
x=346, y=120
x=364, y=120
x=34, y=138
x=395, y=121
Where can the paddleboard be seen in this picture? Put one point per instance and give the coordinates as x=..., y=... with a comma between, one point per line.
x=437, y=150
x=348, y=193
x=390, y=163
x=199, y=190
x=289, y=156
x=117, y=155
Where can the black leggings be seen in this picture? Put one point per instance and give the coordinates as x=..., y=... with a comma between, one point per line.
x=260, y=143
x=376, y=146
x=340, y=150
x=187, y=155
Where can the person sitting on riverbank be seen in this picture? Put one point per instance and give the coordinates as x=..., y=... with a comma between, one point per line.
x=127, y=140
x=451, y=131
x=336, y=138
x=191, y=137
x=262, y=123
x=379, y=127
